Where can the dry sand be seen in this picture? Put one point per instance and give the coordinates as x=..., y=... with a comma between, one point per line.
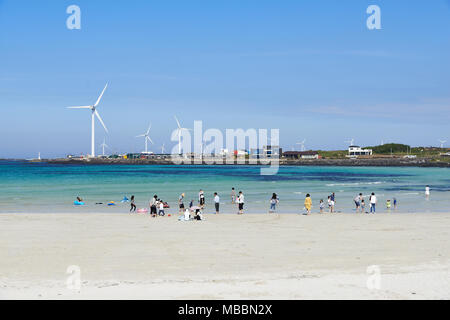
x=265, y=256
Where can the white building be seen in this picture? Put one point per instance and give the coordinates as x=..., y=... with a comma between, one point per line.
x=354, y=151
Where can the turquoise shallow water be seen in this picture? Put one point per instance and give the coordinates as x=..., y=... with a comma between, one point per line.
x=41, y=187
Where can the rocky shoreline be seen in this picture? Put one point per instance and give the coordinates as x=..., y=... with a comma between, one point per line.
x=373, y=162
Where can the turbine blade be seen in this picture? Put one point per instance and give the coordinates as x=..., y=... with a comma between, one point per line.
x=100, y=97
x=81, y=107
x=178, y=123
x=141, y=135
x=148, y=130
x=149, y=139
x=101, y=121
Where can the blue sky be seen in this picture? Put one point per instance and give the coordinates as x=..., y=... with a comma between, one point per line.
x=310, y=68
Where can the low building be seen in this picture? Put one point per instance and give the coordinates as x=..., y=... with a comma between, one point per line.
x=266, y=152
x=301, y=155
x=354, y=151
x=240, y=153
x=129, y=156
x=271, y=151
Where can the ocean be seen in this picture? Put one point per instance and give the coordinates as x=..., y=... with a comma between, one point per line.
x=52, y=188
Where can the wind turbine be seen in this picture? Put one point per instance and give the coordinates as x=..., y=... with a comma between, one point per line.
x=302, y=145
x=442, y=143
x=93, y=115
x=162, y=149
x=146, y=137
x=351, y=141
x=179, y=129
x=103, y=145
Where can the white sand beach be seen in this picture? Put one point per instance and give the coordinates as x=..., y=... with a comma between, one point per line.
x=254, y=256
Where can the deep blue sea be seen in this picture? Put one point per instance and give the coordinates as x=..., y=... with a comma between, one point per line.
x=42, y=187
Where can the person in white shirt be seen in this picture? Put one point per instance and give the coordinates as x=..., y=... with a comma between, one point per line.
x=273, y=202
x=187, y=215
x=241, y=202
x=373, y=202
x=427, y=192
x=161, y=208
x=201, y=198
x=216, y=202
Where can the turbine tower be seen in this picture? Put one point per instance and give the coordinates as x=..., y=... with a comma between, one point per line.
x=146, y=137
x=162, y=149
x=302, y=145
x=94, y=113
x=179, y=129
x=442, y=143
x=103, y=145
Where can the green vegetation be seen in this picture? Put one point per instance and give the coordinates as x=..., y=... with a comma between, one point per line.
x=427, y=152
x=390, y=148
x=337, y=154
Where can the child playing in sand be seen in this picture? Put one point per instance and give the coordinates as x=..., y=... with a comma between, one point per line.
x=388, y=204
x=363, y=205
x=321, y=205
x=187, y=215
